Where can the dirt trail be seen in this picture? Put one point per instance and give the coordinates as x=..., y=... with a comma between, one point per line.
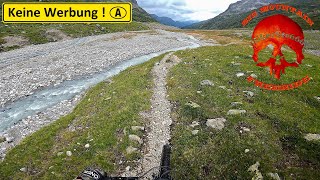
x=158, y=118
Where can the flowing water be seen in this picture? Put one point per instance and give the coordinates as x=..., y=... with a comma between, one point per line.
x=53, y=95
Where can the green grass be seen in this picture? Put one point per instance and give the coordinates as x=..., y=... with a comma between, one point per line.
x=104, y=114
x=278, y=120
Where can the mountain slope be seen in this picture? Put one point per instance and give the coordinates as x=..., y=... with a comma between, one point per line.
x=236, y=12
x=170, y=22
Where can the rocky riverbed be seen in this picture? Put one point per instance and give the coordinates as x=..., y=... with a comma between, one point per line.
x=27, y=70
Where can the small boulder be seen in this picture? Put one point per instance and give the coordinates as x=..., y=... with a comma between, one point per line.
x=87, y=146
x=69, y=153
x=255, y=169
x=222, y=87
x=254, y=76
x=234, y=104
x=23, y=169
x=246, y=150
x=206, y=83
x=217, y=123
x=137, y=128
x=274, y=176
x=131, y=150
x=317, y=98
x=236, y=112
x=10, y=139
x=136, y=138
x=193, y=105
x=312, y=137
x=194, y=124
x=240, y=74
x=128, y=168
x=195, y=132
x=249, y=93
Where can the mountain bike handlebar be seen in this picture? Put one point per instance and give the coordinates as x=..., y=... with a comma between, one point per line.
x=163, y=174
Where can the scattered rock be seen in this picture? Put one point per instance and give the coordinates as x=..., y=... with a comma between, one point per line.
x=317, y=98
x=193, y=104
x=249, y=93
x=136, y=138
x=235, y=64
x=131, y=150
x=199, y=92
x=217, y=123
x=194, y=124
x=222, y=87
x=308, y=65
x=12, y=41
x=206, y=83
x=236, y=112
x=23, y=169
x=10, y=139
x=274, y=176
x=69, y=153
x=195, y=132
x=246, y=150
x=56, y=35
x=87, y=146
x=255, y=169
x=245, y=129
x=254, y=76
x=234, y=104
x=128, y=168
x=240, y=74
x=137, y=128
x=312, y=137
x=59, y=153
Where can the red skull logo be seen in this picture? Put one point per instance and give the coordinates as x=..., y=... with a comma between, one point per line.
x=278, y=30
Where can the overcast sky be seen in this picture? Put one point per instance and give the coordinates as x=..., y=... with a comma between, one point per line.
x=183, y=10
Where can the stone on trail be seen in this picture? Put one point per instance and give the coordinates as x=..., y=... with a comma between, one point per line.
x=206, y=83
x=217, y=123
x=192, y=104
x=312, y=137
x=136, y=138
x=236, y=112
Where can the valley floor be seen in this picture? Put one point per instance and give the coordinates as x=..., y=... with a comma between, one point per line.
x=222, y=126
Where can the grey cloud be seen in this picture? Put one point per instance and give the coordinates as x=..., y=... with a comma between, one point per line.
x=177, y=9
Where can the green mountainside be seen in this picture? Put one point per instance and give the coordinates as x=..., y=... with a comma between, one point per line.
x=238, y=11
